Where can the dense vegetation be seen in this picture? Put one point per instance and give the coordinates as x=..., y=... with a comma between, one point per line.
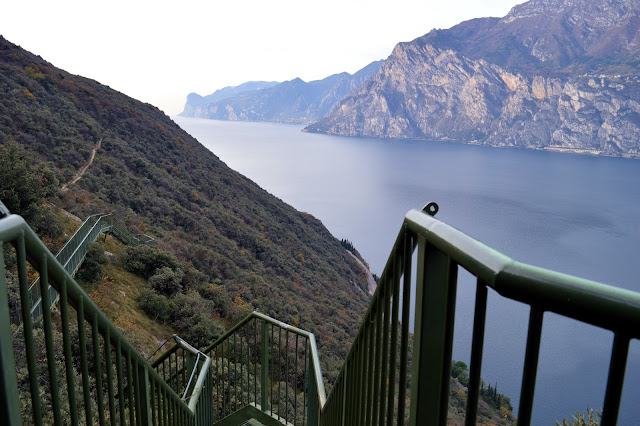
x=237, y=246
x=225, y=246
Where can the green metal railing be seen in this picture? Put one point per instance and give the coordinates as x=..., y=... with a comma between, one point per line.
x=188, y=372
x=377, y=382
x=71, y=256
x=122, y=233
x=75, y=365
x=269, y=365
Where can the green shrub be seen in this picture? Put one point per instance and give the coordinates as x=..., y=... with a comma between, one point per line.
x=155, y=305
x=167, y=281
x=145, y=260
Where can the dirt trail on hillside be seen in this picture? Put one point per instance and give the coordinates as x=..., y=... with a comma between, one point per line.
x=84, y=168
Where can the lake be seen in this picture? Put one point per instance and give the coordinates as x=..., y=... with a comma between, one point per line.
x=570, y=213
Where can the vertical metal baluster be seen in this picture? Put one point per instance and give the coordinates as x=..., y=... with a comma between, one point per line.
x=225, y=381
x=272, y=367
x=154, y=403
x=28, y=331
x=248, y=367
x=120, y=382
x=219, y=377
x=278, y=350
x=372, y=356
x=530, y=366
x=384, y=383
x=97, y=366
x=241, y=374
x=404, y=335
x=136, y=390
x=286, y=375
x=83, y=361
x=9, y=394
x=51, y=357
x=295, y=387
x=68, y=359
x=393, y=344
x=366, y=372
x=378, y=359
x=435, y=306
x=235, y=371
x=615, y=381
x=477, y=343
x=109, y=366
x=132, y=410
x=306, y=385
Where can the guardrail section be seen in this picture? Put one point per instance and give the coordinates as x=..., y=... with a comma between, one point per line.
x=74, y=365
x=379, y=384
x=270, y=365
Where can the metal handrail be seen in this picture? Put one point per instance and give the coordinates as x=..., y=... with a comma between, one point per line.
x=370, y=378
x=250, y=345
x=71, y=256
x=184, y=364
x=133, y=387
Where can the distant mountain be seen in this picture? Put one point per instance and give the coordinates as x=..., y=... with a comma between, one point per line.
x=552, y=74
x=293, y=101
x=194, y=100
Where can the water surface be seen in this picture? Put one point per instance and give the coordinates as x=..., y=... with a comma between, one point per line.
x=571, y=213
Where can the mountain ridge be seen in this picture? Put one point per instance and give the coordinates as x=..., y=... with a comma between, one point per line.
x=293, y=101
x=487, y=91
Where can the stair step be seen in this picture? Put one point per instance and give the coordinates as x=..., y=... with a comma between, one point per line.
x=252, y=422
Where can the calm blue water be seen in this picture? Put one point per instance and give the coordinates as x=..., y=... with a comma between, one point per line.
x=574, y=214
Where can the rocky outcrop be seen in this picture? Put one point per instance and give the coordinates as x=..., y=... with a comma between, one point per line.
x=294, y=101
x=438, y=87
x=195, y=102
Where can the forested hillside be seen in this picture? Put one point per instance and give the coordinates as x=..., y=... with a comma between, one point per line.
x=238, y=246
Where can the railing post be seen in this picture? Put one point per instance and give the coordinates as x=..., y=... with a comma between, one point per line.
x=314, y=415
x=9, y=401
x=264, y=389
x=145, y=397
x=344, y=394
x=435, y=302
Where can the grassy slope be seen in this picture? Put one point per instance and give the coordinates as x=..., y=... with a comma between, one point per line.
x=162, y=181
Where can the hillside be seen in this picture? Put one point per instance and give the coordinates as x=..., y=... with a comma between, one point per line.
x=239, y=246
x=552, y=74
x=293, y=101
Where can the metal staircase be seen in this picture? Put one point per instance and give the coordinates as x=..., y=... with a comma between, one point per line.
x=264, y=372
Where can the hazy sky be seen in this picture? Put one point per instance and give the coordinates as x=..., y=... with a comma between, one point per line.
x=160, y=51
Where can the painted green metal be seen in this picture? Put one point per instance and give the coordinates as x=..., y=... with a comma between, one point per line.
x=72, y=254
x=441, y=251
x=244, y=371
x=135, y=380
x=269, y=349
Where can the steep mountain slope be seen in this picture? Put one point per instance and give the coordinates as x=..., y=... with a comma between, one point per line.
x=232, y=236
x=194, y=100
x=293, y=101
x=552, y=37
x=552, y=74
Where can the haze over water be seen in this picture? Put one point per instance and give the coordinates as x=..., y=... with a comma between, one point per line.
x=570, y=213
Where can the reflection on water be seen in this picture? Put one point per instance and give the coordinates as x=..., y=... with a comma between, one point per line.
x=573, y=214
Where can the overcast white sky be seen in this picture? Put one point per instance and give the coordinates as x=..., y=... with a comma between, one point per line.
x=160, y=51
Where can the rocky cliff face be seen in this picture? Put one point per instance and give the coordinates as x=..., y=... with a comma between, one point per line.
x=511, y=82
x=292, y=101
